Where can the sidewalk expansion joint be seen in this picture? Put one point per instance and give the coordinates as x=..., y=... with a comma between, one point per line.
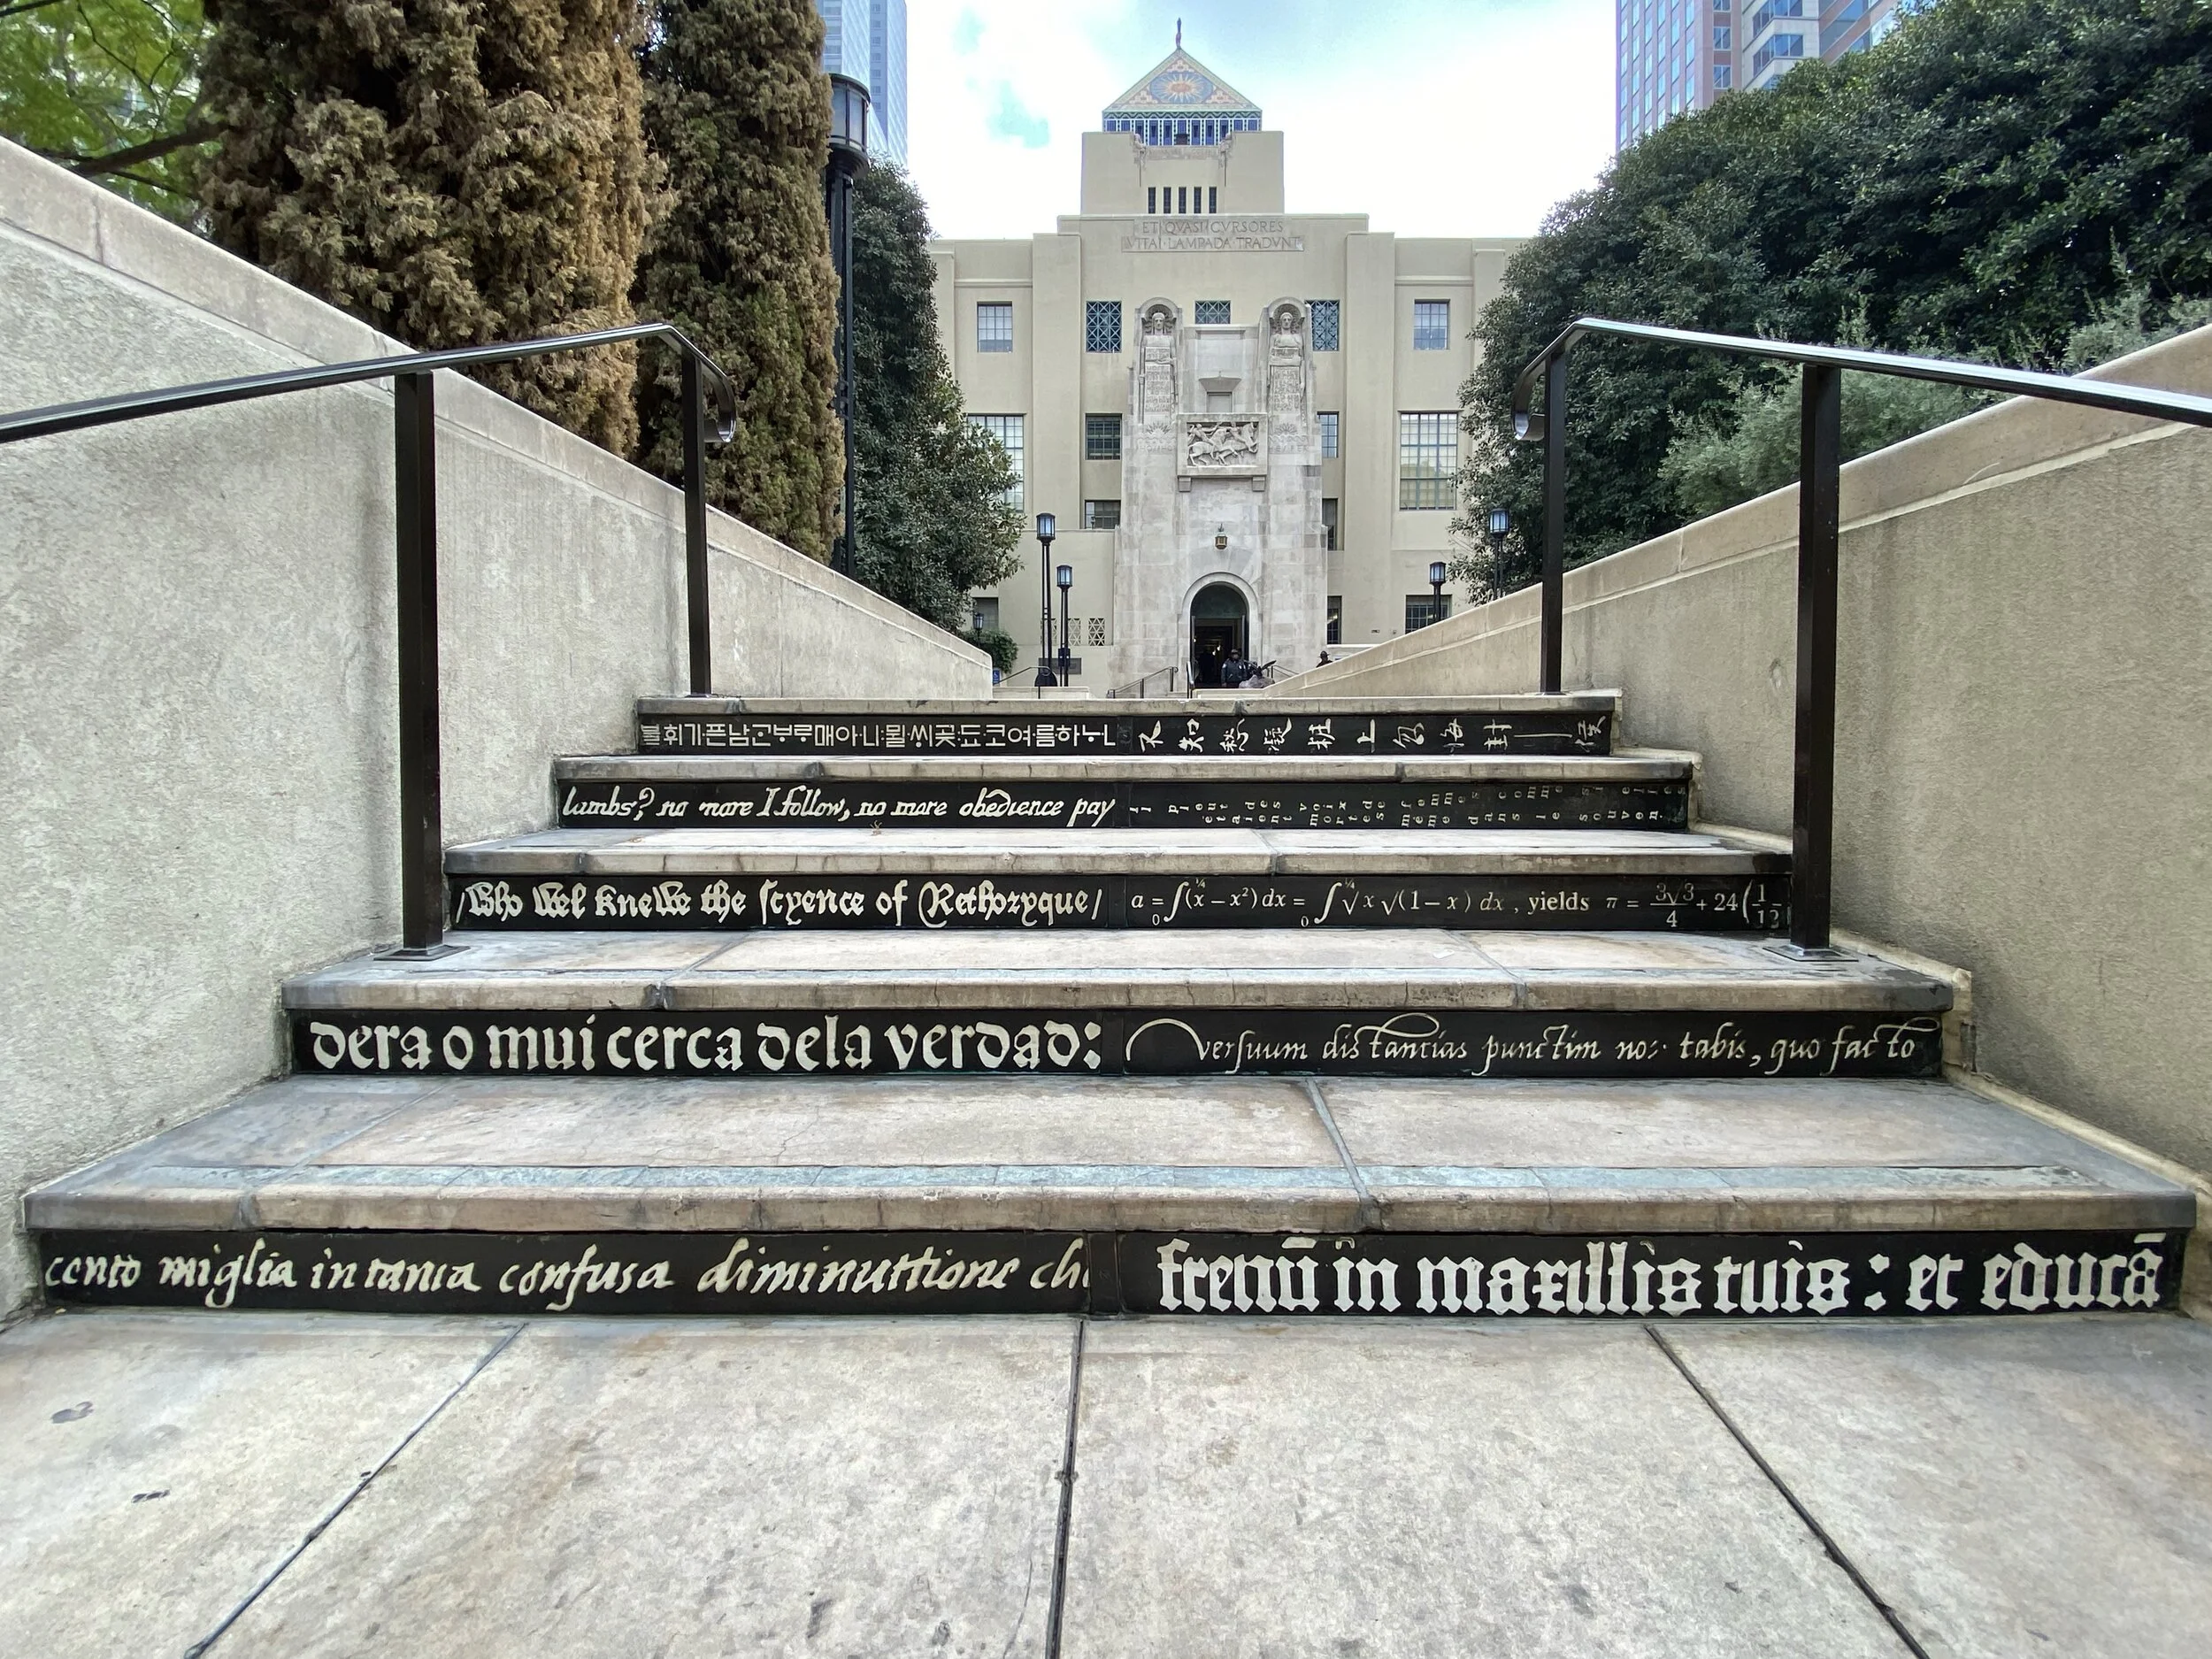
x=1835, y=1551
x=1369, y=1211
x=1065, y=1478
x=200, y=1647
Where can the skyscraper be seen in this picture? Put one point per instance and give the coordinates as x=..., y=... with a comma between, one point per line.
x=865, y=40
x=1677, y=54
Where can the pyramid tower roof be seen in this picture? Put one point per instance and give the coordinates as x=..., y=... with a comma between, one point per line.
x=1180, y=85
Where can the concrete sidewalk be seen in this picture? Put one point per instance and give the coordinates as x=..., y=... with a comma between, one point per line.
x=330, y=1485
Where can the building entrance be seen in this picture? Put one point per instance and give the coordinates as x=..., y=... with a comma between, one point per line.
x=1217, y=631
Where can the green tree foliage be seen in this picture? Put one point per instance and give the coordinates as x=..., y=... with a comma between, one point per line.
x=935, y=521
x=1979, y=184
x=110, y=89
x=738, y=108
x=455, y=172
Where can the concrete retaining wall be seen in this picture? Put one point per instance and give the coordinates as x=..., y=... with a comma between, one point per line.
x=2024, y=687
x=196, y=652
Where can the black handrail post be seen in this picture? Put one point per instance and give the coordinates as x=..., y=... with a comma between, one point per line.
x=1812, y=820
x=696, y=600
x=1555, y=518
x=421, y=814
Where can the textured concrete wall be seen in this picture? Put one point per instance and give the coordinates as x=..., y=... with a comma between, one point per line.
x=196, y=652
x=2024, y=688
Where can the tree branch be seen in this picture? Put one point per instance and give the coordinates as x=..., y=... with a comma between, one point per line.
x=27, y=5
x=119, y=160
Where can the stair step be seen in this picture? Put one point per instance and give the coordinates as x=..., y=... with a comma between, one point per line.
x=1123, y=1194
x=1084, y=794
x=1029, y=880
x=1579, y=723
x=1412, y=1001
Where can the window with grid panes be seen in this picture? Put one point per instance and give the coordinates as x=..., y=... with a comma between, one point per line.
x=1213, y=310
x=1102, y=515
x=1102, y=437
x=1428, y=460
x=1008, y=430
x=1324, y=323
x=1101, y=325
x=1423, y=609
x=1431, y=324
x=1327, y=418
x=995, y=325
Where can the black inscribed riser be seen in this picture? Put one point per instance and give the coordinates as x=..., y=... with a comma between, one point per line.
x=1756, y=903
x=1809, y=1274
x=1517, y=733
x=1181, y=1041
x=1079, y=807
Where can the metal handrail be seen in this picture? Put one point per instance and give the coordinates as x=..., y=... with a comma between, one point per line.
x=415, y=478
x=1820, y=463
x=1137, y=688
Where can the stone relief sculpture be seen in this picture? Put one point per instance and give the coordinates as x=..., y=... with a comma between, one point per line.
x=1287, y=367
x=1155, y=391
x=1220, y=446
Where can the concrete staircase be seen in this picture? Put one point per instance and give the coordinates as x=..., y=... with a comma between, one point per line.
x=1281, y=1007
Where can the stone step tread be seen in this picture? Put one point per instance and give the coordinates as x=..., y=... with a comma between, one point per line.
x=1259, y=968
x=836, y=851
x=982, y=707
x=1456, y=1155
x=1098, y=770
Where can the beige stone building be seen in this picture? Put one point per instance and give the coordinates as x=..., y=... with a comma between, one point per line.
x=1243, y=420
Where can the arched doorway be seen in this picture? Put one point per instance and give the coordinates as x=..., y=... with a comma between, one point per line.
x=1217, y=631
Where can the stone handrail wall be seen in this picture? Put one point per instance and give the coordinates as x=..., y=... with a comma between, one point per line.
x=2024, y=684
x=200, y=706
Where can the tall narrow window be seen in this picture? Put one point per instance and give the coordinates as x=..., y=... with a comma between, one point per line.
x=1336, y=620
x=1324, y=323
x=1431, y=324
x=1101, y=325
x=1327, y=418
x=1213, y=310
x=1008, y=430
x=1182, y=200
x=995, y=325
x=1428, y=460
x=1213, y=198
x=1151, y=199
x=1329, y=520
x=1102, y=437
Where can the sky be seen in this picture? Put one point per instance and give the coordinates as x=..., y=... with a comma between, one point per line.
x=1480, y=113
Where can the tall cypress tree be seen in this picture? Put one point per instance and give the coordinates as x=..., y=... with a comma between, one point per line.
x=455, y=172
x=935, y=523
x=738, y=107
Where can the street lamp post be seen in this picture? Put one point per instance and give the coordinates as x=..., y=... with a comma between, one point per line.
x=1500, y=521
x=1047, y=525
x=1066, y=578
x=1436, y=588
x=848, y=160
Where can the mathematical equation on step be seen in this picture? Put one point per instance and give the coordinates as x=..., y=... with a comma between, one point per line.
x=1017, y=904
x=1510, y=732
x=1079, y=806
x=1411, y=1042
x=1809, y=1275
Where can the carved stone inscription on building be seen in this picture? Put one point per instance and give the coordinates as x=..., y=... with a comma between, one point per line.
x=1808, y=1275
x=1758, y=903
x=1223, y=1042
x=1227, y=234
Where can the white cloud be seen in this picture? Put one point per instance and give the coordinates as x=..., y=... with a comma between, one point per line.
x=1433, y=117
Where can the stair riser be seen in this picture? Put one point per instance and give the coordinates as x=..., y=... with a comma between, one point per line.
x=739, y=902
x=1078, y=806
x=1161, y=1041
x=1535, y=732
x=1805, y=1275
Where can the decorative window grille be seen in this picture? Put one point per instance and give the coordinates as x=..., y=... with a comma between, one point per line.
x=1324, y=323
x=1101, y=325
x=1213, y=310
x=1098, y=630
x=1431, y=324
x=995, y=325
x=1008, y=430
x=1102, y=437
x=1428, y=460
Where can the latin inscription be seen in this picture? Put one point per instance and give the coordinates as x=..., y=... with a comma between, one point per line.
x=1280, y=1276
x=1412, y=1043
